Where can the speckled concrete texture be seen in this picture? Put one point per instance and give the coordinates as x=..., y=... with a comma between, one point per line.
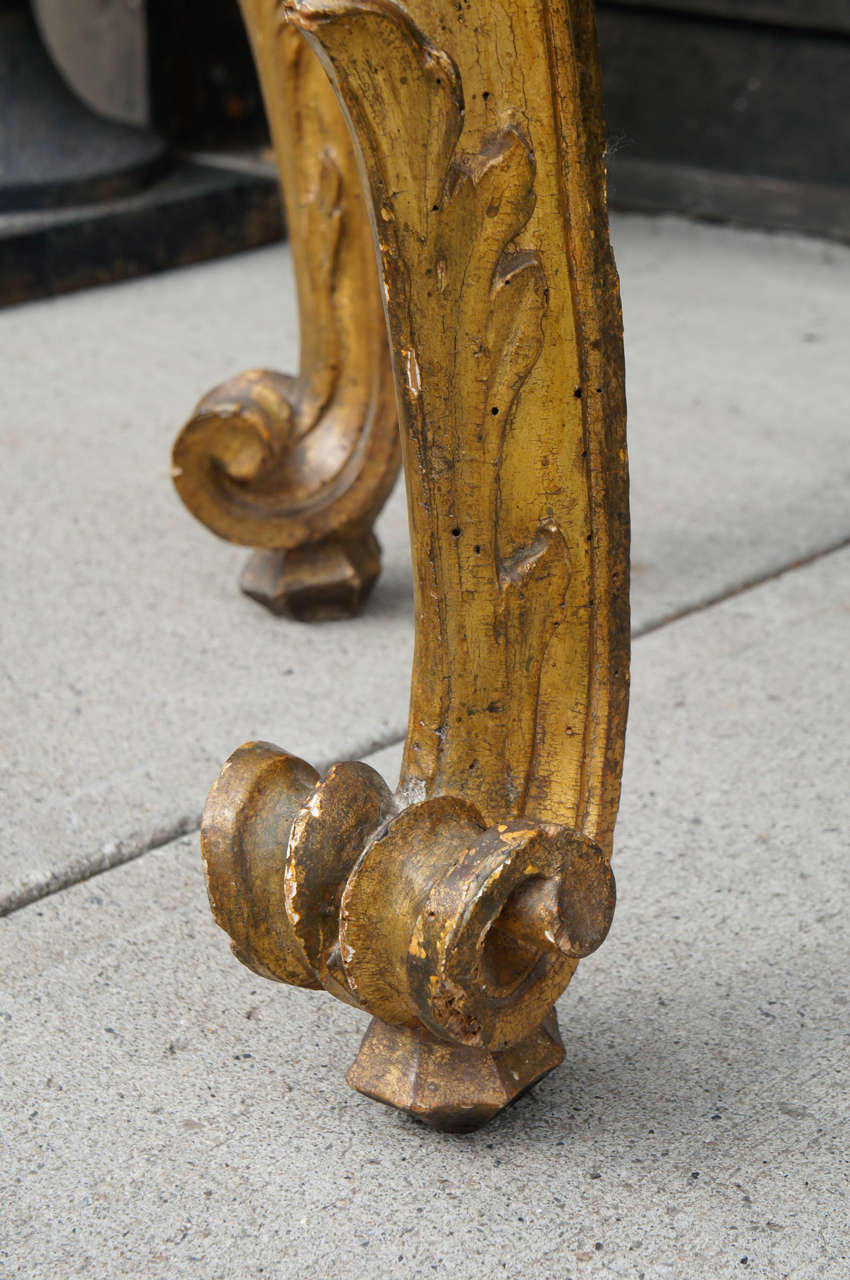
x=166, y=1114
x=131, y=666
x=739, y=399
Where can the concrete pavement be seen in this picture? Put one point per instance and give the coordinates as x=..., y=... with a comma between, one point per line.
x=167, y=1114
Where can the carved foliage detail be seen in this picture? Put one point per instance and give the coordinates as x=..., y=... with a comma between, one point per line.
x=273, y=461
x=466, y=308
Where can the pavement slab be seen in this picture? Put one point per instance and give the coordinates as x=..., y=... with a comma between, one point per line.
x=739, y=398
x=166, y=1114
x=131, y=667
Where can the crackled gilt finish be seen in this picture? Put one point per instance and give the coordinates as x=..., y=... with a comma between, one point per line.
x=300, y=466
x=482, y=138
x=456, y=910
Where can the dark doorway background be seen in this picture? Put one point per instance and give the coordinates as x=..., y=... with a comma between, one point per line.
x=732, y=110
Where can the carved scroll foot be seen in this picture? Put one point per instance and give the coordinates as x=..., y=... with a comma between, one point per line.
x=320, y=582
x=299, y=467
x=456, y=1090
x=457, y=937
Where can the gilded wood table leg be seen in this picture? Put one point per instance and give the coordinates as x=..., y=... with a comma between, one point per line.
x=300, y=467
x=456, y=910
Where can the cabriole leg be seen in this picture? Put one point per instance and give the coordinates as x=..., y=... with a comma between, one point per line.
x=456, y=909
x=299, y=467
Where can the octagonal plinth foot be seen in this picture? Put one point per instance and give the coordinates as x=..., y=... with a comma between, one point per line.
x=447, y=1086
x=320, y=582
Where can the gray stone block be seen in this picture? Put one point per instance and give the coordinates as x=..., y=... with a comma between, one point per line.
x=101, y=48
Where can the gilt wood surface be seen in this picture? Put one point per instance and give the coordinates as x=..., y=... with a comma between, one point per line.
x=300, y=466
x=506, y=334
x=456, y=911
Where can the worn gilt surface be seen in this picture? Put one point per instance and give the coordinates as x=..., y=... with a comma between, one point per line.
x=300, y=466
x=456, y=910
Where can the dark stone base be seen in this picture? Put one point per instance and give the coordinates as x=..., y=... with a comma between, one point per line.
x=195, y=213
x=54, y=151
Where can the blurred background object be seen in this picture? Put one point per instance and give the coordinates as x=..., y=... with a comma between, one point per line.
x=203, y=86
x=89, y=191
x=728, y=110
x=55, y=151
x=102, y=51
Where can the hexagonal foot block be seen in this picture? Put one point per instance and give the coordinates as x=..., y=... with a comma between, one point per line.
x=319, y=582
x=447, y=1086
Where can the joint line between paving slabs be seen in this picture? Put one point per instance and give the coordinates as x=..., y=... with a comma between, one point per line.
x=17, y=899
x=748, y=584
x=120, y=854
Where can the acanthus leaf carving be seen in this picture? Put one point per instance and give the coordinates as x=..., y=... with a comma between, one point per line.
x=468, y=307
x=300, y=466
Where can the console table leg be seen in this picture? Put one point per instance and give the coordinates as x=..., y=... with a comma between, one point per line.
x=456, y=909
x=299, y=467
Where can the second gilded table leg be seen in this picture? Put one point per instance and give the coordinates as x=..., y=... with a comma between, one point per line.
x=299, y=466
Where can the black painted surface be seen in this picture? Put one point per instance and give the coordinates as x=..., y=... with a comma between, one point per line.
x=823, y=15
x=204, y=88
x=745, y=99
x=727, y=119
x=195, y=213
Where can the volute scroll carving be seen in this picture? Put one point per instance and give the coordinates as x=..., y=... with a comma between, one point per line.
x=420, y=915
x=299, y=467
x=456, y=909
